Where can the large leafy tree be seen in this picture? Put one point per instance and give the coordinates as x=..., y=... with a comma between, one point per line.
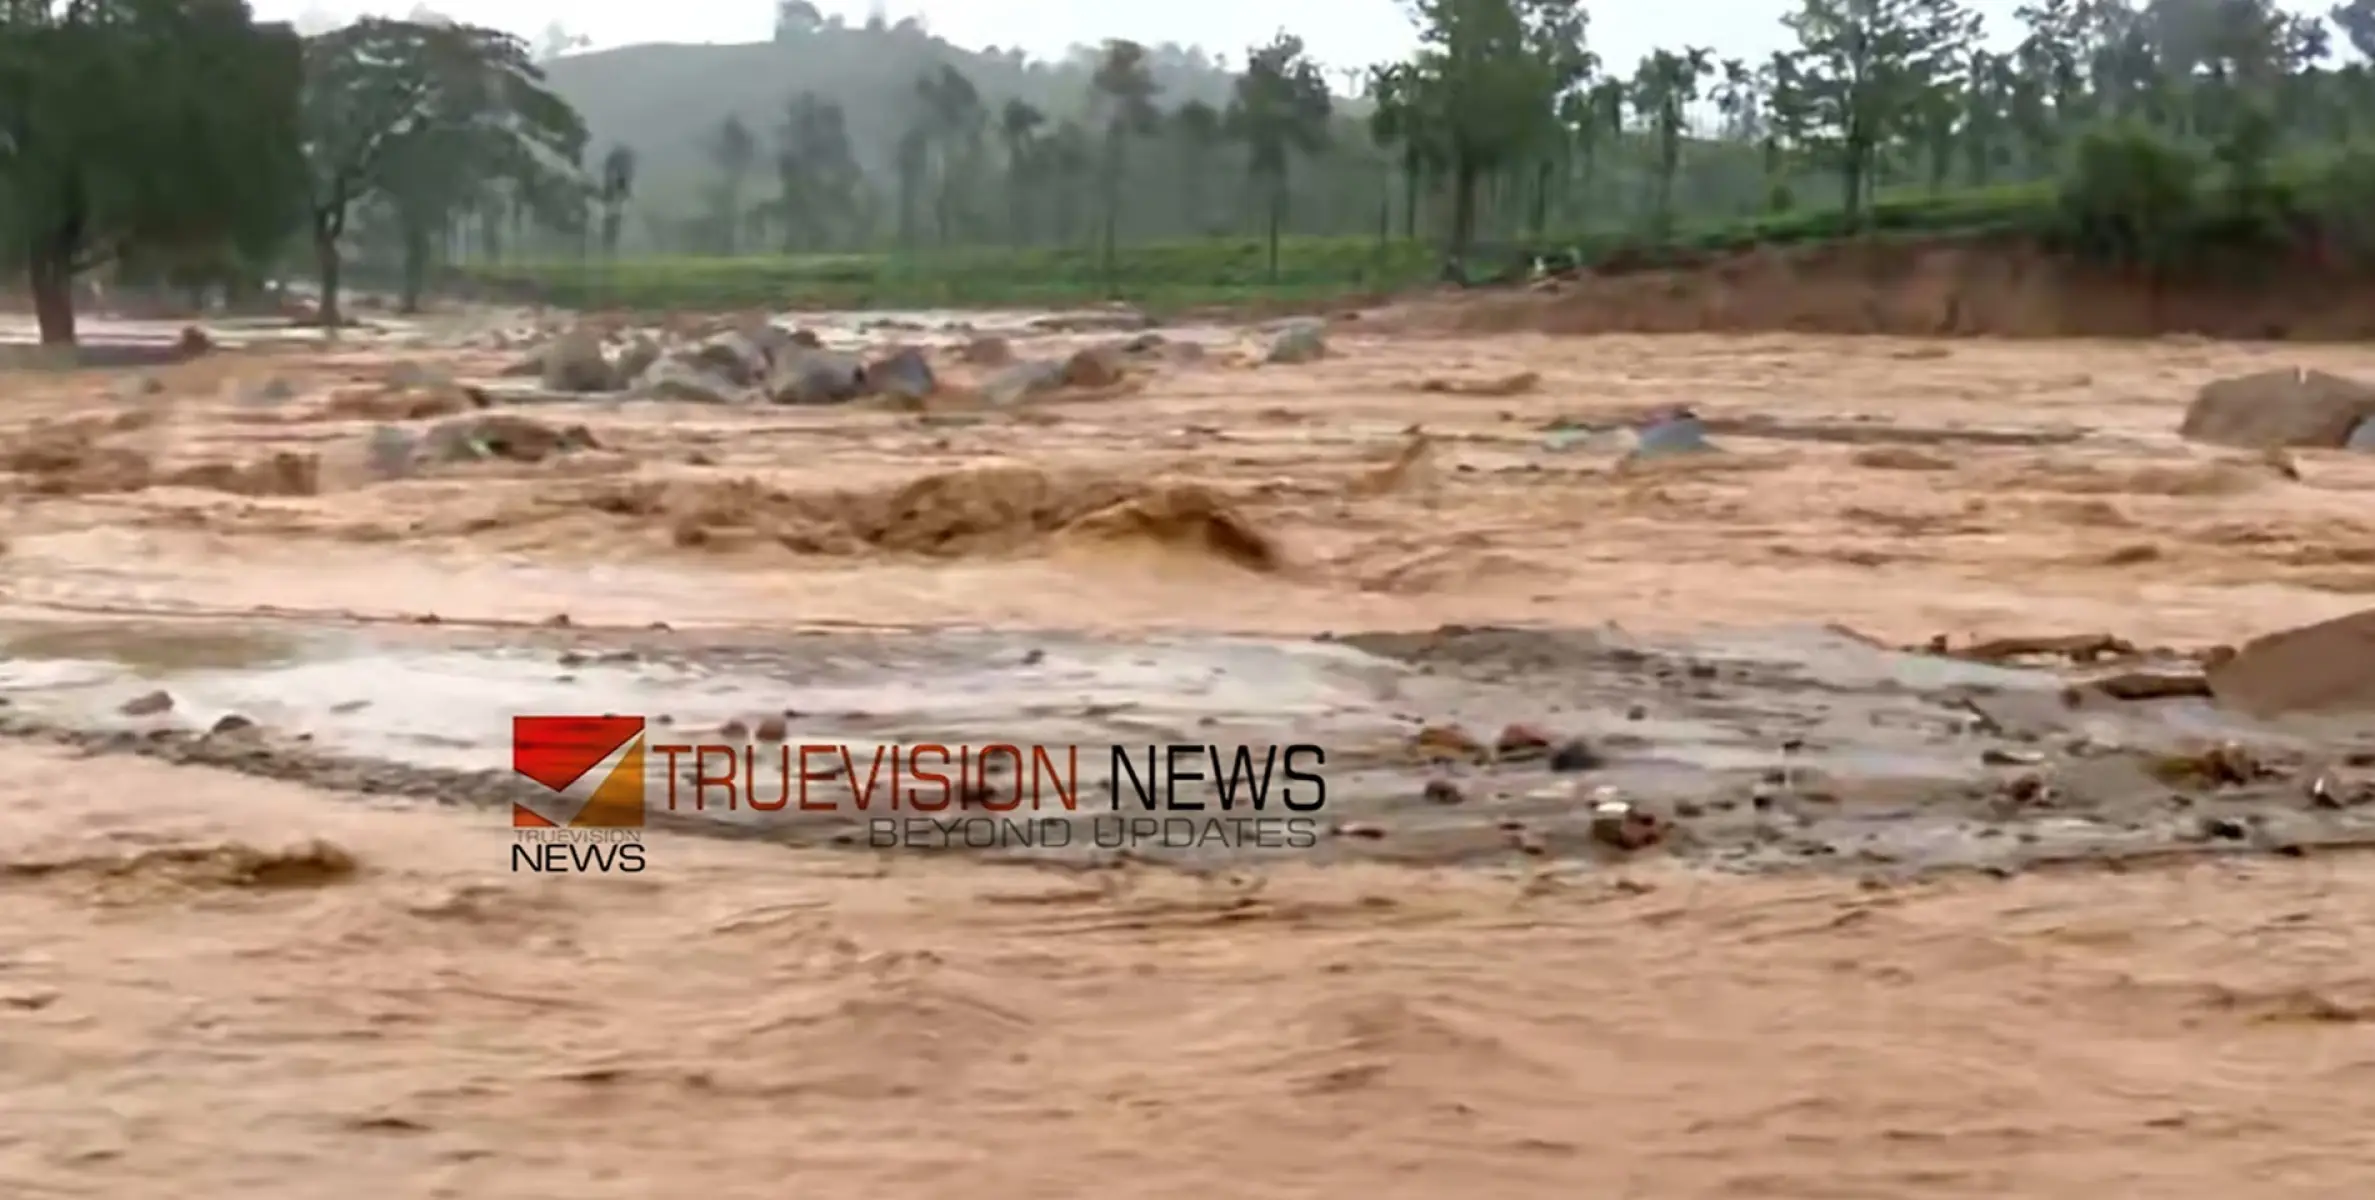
x=383, y=97
x=1280, y=110
x=1487, y=76
x=163, y=129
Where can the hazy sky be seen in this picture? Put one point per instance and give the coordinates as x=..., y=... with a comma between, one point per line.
x=1341, y=33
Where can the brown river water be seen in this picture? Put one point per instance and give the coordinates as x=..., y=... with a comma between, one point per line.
x=1971, y=944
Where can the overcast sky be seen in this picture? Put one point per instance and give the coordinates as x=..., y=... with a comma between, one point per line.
x=1341, y=33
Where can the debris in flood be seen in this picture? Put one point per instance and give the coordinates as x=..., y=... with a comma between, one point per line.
x=1574, y=755
x=147, y=705
x=1519, y=743
x=2077, y=648
x=2150, y=685
x=1446, y=743
x=1443, y=791
x=2228, y=764
x=1517, y=384
x=1619, y=825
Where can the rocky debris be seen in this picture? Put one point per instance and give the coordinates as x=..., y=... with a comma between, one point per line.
x=673, y=379
x=733, y=356
x=1519, y=743
x=637, y=356
x=390, y=452
x=504, y=436
x=1573, y=755
x=1503, y=385
x=1621, y=826
x=2326, y=668
x=986, y=352
x=1445, y=744
x=1022, y=381
x=193, y=342
x=575, y=363
x=902, y=373
x=1304, y=341
x=2070, y=647
x=1095, y=367
x=148, y=705
x=817, y=377
x=2295, y=408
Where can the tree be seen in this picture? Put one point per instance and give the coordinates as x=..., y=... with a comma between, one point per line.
x=1280, y=109
x=616, y=188
x=1663, y=88
x=1863, y=69
x=1487, y=75
x=1122, y=95
x=795, y=19
x=163, y=129
x=1398, y=123
x=734, y=151
x=1196, y=129
x=816, y=172
x=953, y=123
x=1018, y=134
x=377, y=88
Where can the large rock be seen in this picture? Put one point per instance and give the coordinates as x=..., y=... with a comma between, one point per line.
x=637, y=357
x=671, y=379
x=575, y=363
x=903, y=373
x=1031, y=377
x=817, y=377
x=1096, y=367
x=734, y=356
x=2326, y=668
x=1299, y=342
x=2303, y=408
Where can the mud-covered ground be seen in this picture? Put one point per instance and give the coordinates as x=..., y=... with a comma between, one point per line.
x=316, y=969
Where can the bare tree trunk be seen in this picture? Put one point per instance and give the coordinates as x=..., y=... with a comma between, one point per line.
x=51, y=277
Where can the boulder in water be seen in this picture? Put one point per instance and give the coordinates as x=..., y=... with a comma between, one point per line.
x=2291, y=408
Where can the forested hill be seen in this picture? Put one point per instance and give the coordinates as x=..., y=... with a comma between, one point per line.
x=667, y=102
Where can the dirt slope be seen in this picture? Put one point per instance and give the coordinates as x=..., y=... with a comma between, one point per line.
x=1933, y=288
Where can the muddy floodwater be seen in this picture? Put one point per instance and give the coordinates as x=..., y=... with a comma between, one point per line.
x=1683, y=834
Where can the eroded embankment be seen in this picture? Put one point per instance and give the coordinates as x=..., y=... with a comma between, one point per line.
x=1965, y=287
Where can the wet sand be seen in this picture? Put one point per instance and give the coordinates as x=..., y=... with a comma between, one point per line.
x=1545, y=1016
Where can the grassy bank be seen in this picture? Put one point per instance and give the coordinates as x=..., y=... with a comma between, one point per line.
x=2127, y=201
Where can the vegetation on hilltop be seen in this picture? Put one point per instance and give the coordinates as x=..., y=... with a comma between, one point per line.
x=2167, y=134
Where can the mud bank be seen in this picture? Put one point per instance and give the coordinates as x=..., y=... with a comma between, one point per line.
x=1956, y=288
x=1752, y=750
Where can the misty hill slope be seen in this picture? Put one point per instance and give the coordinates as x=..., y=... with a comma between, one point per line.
x=666, y=101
